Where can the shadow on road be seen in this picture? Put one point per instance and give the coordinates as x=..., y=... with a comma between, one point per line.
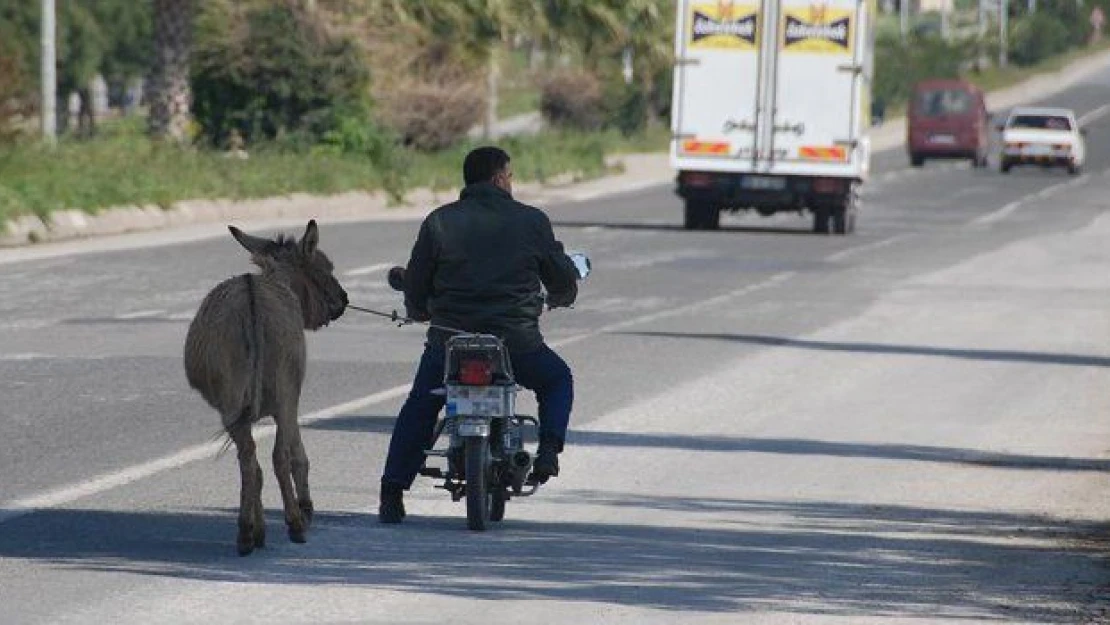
x=803, y=447
x=795, y=557
x=1077, y=360
x=677, y=227
x=376, y=424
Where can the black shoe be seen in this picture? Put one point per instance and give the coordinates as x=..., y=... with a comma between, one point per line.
x=392, y=506
x=546, y=465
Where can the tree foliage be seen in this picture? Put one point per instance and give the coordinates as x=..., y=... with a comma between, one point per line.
x=273, y=70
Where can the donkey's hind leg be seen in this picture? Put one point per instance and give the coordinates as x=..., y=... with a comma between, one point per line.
x=299, y=461
x=286, y=433
x=252, y=524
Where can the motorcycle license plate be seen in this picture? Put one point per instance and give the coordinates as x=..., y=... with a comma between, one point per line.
x=488, y=401
x=473, y=427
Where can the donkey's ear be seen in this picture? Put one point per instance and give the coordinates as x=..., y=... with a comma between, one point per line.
x=310, y=239
x=254, y=245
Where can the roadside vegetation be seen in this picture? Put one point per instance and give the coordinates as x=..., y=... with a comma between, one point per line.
x=328, y=96
x=1041, y=39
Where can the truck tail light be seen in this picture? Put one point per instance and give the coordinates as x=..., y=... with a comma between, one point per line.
x=828, y=185
x=697, y=179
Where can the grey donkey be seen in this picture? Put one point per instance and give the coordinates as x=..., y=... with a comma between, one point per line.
x=245, y=354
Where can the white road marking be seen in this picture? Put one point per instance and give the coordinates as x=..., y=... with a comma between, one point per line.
x=139, y=314
x=1012, y=207
x=70, y=493
x=362, y=271
x=1092, y=115
x=841, y=255
x=100, y=484
x=24, y=356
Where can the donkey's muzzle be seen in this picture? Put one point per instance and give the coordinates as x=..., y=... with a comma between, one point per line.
x=337, y=305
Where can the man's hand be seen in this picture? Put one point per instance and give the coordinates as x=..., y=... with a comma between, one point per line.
x=396, y=278
x=560, y=300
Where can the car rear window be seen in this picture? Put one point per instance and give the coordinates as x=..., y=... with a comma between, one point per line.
x=940, y=102
x=1040, y=122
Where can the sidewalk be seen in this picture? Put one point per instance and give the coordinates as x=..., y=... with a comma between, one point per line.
x=639, y=171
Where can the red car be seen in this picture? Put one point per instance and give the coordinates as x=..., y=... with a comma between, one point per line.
x=947, y=119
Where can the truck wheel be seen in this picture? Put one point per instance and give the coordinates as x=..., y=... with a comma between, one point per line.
x=1004, y=167
x=702, y=216
x=917, y=160
x=821, y=220
x=844, y=219
x=844, y=215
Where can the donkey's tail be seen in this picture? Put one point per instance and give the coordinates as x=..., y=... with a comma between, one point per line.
x=252, y=337
x=254, y=349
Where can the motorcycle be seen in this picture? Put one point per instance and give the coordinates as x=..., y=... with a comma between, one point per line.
x=485, y=459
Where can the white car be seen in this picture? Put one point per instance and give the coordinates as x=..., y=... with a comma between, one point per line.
x=1049, y=137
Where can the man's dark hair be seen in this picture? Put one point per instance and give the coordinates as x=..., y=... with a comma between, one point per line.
x=482, y=164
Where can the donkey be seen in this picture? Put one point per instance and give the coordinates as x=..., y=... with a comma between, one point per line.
x=245, y=354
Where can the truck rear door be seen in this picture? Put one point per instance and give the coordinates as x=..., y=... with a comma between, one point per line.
x=816, y=95
x=717, y=78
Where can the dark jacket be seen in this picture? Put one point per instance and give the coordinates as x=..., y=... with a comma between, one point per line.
x=478, y=263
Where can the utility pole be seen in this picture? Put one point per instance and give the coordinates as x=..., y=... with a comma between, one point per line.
x=904, y=16
x=49, y=80
x=1003, y=24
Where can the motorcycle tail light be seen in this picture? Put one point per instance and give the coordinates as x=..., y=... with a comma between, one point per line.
x=475, y=372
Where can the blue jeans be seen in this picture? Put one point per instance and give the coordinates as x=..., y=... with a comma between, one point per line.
x=541, y=371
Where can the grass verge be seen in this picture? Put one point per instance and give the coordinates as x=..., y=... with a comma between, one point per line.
x=121, y=167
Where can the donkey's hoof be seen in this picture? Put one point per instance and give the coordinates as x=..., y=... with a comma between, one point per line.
x=306, y=512
x=297, y=535
x=260, y=539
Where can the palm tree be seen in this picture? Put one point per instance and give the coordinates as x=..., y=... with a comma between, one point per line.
x=170, y=93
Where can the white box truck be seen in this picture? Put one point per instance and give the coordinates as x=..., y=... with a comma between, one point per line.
x=771, y=108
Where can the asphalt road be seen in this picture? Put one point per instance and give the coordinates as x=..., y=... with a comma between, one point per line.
x=908, y=424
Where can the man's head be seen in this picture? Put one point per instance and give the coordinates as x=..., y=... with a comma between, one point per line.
x=488, y=164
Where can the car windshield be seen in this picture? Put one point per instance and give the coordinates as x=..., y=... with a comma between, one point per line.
x=1040, y=122
x=940, y=102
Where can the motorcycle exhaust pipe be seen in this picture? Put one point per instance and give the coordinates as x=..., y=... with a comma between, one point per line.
x=522, y=461
x=520, y=464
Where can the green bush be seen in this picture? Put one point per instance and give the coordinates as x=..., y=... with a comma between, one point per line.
x=14, y=92
x=1038, y=36
x=626, y=107
x=273, y=70
x=898, y=65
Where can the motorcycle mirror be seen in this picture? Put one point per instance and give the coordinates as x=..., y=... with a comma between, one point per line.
x=581, y=264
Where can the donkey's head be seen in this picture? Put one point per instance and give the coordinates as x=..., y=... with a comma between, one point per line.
x=306, y=269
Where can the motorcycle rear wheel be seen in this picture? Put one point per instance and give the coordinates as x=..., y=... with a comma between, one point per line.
x=497, y=504
x=477, y=483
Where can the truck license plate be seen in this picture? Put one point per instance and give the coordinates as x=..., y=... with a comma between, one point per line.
x=763, y=183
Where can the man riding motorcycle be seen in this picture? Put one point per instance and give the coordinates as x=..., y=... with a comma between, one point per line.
x=478, y=265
